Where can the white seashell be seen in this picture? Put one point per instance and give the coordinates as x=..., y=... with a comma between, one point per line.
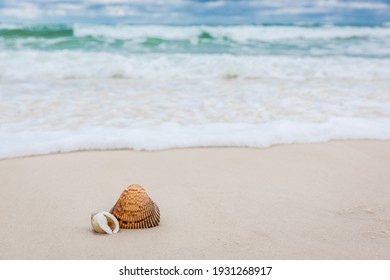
x=104, y=222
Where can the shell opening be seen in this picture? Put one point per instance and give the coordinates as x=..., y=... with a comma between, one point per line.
x=104, y=222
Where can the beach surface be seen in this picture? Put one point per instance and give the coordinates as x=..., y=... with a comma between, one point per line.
x=299, y=201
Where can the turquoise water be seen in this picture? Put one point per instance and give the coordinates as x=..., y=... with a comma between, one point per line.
x=297, y=40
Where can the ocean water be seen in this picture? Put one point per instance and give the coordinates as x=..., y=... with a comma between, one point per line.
x=79, y=86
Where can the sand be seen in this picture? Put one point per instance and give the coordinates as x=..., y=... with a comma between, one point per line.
x=301, y=201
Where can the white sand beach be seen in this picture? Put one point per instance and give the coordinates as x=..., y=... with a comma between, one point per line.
x=300, y=201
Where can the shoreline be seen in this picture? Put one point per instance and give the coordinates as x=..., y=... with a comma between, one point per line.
x=189, y=148
x=296, y=201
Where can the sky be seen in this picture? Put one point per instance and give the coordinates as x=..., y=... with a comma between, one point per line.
x=196, y=11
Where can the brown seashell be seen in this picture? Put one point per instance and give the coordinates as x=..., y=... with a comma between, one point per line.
x=134, y=209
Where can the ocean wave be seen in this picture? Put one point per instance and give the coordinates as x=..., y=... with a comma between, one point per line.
x=37, y=31
x=238, y=33
x=248, y=39
x=21, y=65
x=171, y=135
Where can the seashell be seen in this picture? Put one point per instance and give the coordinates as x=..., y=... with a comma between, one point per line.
x=104, y=222
x=134, y=209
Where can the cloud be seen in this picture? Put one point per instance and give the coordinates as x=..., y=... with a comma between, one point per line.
x=23, y=10
x=119, y=11
x=193, y=11
x=71, y=6
x=215, y=4
x=353, y=5
x=330, y=4
x=293, y=11
x=136, y=2
x=304, y=7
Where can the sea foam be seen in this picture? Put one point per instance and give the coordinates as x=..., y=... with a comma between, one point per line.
x=173, y=135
